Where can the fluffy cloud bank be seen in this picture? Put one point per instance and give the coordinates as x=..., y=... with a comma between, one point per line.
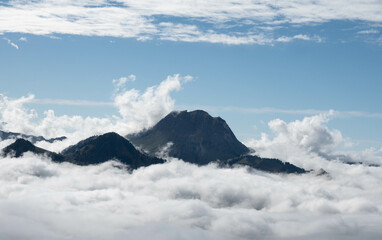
x=310, y=143
x=215, y=21
x=138, y=110
x=43, y=200
x=146, y=109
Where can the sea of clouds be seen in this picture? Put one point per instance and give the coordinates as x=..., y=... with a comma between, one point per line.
x=40, y=199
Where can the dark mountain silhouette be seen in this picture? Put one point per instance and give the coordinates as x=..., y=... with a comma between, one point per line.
x=196, y=137
x=93, y=150
x=265, y=164
x=31, y=138
x=22, y=146
x=99, y=149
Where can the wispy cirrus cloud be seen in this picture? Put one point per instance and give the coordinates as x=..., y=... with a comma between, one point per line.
x=68, y=102
x=300, y=37
x=12, y=43
x=229, y=22
x=244, y=110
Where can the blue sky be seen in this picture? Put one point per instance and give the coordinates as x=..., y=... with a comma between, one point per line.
x=250, y=62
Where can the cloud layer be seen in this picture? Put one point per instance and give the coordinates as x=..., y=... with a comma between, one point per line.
x=228, y=22
x=177, y=200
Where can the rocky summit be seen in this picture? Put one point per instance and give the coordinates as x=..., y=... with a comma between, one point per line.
x=196, y=137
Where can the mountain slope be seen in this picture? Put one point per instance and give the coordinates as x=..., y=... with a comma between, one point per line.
x=21, y=146
x=196, y=137
x=98, y=149
x=265, y=164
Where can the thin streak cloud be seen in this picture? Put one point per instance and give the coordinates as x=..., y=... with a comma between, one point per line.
x=336, y=113
x=84, y=103
x=12, y=43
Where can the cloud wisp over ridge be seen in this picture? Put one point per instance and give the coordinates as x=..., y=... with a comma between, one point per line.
x=228, y=22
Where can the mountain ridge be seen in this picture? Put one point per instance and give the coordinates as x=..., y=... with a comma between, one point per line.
x=198, y=138
x=93, y=150
x=33, y=139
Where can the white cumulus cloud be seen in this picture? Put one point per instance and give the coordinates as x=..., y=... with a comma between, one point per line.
x=138, y=110
x=310, y=143
x=149, y=107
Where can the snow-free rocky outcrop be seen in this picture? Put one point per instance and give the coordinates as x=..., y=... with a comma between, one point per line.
x=195, y=137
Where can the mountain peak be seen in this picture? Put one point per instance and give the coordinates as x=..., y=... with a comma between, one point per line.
x=195, y=114
x=197, y=137
x=99, y=149
x=93, y=150
x=21, y=146
x=111, y=135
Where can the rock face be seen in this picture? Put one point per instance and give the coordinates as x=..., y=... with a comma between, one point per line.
x=22, y=146
x=265, y=164
x=31, y=138
x=99, y=149
x=196, y=137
